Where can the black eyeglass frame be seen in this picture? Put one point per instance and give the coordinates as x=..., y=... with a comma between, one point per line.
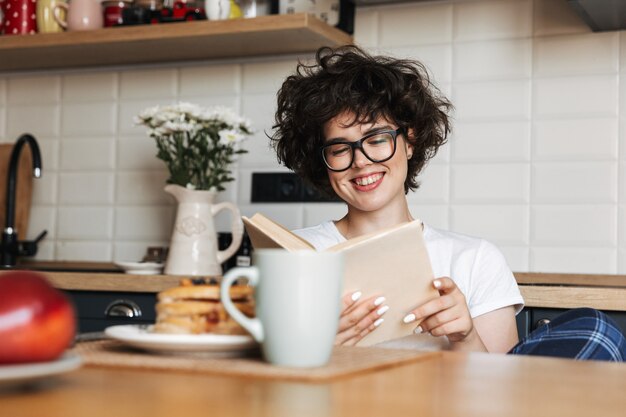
x=359, y=145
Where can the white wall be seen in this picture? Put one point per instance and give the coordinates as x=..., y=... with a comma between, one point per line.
x=536, y=163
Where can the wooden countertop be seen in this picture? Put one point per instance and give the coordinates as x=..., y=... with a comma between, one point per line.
x=581, y=280
x=603, y=292
x=97, y=276
x=112, y=282
x=449, y=385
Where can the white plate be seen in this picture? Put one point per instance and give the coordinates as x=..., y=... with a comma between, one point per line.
x=12, y=375
x=141, y=268
x=142, y=336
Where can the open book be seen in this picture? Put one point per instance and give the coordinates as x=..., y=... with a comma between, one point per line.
x=393, y=263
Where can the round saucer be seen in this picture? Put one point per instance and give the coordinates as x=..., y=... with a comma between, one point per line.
x=141, y=268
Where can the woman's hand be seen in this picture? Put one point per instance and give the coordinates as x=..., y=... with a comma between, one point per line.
x=449, y=316
x=359, y=317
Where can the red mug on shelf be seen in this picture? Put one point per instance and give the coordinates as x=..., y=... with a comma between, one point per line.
x=19, y=17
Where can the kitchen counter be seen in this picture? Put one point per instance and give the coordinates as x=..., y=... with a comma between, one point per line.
x=603, y=292
x=98, y=276
x=451, y=384
x=102, y=281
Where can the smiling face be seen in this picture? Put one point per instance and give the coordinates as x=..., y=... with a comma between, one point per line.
x=368, y=186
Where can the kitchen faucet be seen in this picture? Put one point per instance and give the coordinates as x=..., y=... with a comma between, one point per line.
x=10, y=247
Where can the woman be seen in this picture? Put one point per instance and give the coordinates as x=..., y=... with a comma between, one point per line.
x=362, y=128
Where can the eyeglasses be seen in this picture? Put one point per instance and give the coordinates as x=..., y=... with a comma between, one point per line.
x=377, y=147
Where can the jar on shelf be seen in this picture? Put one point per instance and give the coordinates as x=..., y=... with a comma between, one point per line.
x=113, y=12
x=150, y=4
x=254, y=8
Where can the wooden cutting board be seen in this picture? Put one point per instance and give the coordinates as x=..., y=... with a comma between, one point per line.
x=24, y=189
x=345, y=361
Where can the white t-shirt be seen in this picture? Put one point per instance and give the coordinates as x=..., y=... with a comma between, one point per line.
x=476, y=266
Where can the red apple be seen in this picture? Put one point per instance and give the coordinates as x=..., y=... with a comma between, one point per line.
x=37, y=321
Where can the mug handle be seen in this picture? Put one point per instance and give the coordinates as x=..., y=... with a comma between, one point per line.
x=55, y=14
x=253, y=326
x=236, y=228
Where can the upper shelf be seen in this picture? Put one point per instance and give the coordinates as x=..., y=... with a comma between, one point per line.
x=199, y=40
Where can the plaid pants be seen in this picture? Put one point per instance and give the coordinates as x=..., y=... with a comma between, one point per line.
x=582, y=333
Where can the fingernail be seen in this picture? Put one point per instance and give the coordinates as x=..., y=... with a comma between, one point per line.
x=382, y=310
x=356, y=295
x=378, y=322
x=409, y=318
x=437, y=284
x=379, y=301
x=418, y=330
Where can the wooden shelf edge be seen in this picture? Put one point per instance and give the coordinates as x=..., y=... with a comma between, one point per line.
x=199, y=40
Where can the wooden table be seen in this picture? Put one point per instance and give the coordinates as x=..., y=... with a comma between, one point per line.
x=450, y=384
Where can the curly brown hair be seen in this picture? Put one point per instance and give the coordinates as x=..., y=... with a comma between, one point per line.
x=349, y=80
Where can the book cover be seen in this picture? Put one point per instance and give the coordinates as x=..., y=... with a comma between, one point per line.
x=393, y=263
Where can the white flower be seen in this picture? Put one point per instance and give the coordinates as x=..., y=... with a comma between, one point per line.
x=190, y=108
x=246, y=124
x=149, y=113
x=230, y=137
x=177, y=126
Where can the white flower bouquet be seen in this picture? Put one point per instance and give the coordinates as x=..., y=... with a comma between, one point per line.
x=197, y=144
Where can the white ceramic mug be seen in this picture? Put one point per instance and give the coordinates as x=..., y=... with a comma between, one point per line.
x=298, y=303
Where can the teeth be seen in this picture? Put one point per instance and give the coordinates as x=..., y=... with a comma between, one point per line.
x=368, y=180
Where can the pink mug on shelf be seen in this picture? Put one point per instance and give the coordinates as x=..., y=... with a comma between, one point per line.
x=19, y=17
x=81, y=15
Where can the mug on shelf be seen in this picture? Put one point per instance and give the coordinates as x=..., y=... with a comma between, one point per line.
x=19, y=17
x=298, y=303
x=81, y=15
x=46, y=23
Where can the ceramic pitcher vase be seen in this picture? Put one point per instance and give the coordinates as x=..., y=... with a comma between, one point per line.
x=193, y=248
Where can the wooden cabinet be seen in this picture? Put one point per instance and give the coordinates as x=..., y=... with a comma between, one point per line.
x=199, y=40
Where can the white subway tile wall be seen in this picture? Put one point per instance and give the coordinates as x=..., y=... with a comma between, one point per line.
x=495, y=19
x=3, y=92
x=409, y=25
x=536, y=162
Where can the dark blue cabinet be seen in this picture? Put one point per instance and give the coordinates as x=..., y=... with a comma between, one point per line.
x=97, y=310
x=531, y=318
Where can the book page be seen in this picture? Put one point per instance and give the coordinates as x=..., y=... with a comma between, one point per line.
x=395, y=264
x=267, y=234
